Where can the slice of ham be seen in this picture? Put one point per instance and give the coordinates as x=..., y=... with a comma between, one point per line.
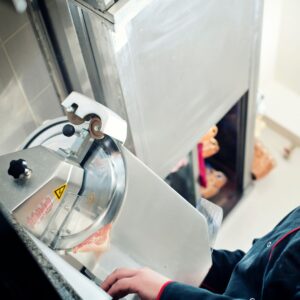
x=97, y=242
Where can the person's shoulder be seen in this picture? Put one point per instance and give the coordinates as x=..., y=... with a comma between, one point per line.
x=294, y=212
x=292, y=216
x=287, y=247
x=290, y=255
x=283, y=275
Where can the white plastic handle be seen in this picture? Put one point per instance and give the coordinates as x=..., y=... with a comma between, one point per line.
x=112, y=124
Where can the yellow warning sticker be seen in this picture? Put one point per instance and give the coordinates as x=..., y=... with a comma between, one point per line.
x=59, y=192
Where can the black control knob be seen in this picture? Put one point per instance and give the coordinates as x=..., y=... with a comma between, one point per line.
x=19, y=169
x=68, y=130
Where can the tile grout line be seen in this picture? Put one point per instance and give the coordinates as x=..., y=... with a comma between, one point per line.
x=40, y=92
x=20, y=86
x=15, y=33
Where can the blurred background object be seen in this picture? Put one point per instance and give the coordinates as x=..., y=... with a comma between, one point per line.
x=263, y=163
x=20, y=5
x=277, y=126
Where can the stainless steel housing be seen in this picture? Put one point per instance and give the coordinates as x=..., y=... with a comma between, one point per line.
x=101, y=186
x=154, y=226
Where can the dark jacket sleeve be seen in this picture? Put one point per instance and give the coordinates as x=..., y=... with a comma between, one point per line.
x=282, y=280
x=223, y=263
x=214, y=284
x=179, y=291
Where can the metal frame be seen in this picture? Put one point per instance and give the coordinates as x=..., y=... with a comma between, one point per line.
x=194, y=162
x=241, y=139
x=48, y=51
x=87, y=51
x=253, y=87
x=103, y=5
x=64, y=39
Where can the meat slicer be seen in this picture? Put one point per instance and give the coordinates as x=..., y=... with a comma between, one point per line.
x=80, y=191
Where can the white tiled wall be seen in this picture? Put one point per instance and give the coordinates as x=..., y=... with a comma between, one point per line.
x=27, y=95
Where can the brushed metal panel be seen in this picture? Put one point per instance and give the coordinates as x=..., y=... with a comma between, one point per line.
x=71, y=56
x=177, y=68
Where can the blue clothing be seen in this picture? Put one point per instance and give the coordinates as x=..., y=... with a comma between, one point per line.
x=270, y=269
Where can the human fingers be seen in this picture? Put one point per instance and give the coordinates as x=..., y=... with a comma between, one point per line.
x=117, y=275
x=146, y=283
x=122, y=288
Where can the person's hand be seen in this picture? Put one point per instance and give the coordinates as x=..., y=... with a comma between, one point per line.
x=144, y=282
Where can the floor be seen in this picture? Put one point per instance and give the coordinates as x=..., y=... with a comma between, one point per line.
x=268, y=200
x=288, y=115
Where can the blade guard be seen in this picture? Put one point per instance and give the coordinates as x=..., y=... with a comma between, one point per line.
x=112, y=124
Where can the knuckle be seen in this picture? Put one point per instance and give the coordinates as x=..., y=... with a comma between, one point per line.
x=116, y=271
x=122, y=285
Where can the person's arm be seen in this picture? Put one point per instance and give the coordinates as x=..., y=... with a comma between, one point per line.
x=179, y=291
x=223, y=264
x=150, y=285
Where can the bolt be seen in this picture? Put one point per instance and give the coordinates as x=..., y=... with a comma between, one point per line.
x=70, y=109
x=97, y=128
